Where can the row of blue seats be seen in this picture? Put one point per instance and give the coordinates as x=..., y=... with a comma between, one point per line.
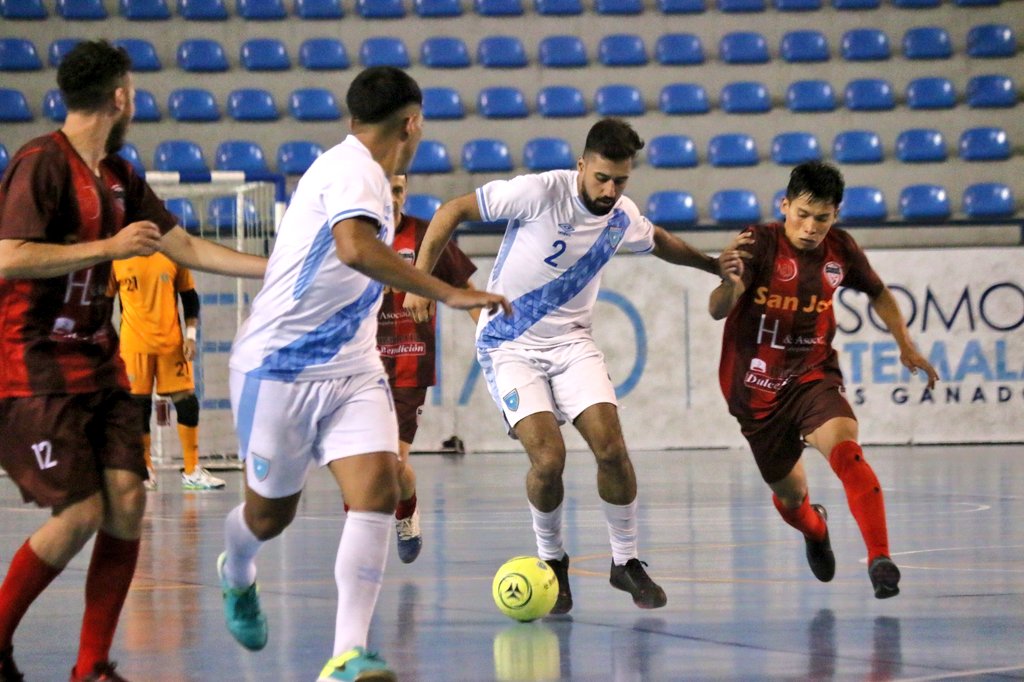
x=508, y=52
x=264, y=10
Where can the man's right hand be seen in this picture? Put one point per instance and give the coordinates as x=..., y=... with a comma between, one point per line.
x=141, y=238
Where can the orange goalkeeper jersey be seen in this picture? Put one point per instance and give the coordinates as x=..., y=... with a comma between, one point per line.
x=148, y=287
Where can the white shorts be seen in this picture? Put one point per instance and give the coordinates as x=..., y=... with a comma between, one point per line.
x=564, y=380
x=284, y=428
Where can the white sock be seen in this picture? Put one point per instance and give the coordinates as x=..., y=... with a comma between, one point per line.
x=547, y=526
x=622, y=530
x=241, y=546
x=358, y=572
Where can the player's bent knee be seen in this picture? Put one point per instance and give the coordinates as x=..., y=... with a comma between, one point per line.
x=187, y=409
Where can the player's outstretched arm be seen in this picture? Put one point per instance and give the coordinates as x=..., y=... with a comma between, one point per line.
x=889, y=312
x=201, y=254
x=22, y=259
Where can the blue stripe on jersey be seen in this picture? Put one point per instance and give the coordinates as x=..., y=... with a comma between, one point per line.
x=323, y=343
x=481, y=201
x=246, y=413
x=506, y=245
x=311, y=263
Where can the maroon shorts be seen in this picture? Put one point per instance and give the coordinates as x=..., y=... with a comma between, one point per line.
x=777, y=440
x=55, y=447
x=408, y=407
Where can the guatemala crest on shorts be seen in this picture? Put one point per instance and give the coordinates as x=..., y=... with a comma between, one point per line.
x=260, y=466
x=511, y=399
x=617, y=225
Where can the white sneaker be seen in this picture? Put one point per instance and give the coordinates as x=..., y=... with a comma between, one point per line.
x=410, y=540
x=150, y=483
x=200, y=479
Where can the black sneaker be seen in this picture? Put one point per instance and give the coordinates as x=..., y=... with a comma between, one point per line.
x=885, y=577
x=561, y=568
x=8, y=670
x=819, y=553
x=631, y=577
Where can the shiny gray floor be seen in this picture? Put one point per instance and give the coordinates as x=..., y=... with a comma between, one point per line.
x=742, y=603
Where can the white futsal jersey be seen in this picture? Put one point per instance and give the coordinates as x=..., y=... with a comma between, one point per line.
x=550, y=261
x=315, y=317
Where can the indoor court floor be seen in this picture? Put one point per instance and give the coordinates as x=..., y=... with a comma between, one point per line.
x=742, y=604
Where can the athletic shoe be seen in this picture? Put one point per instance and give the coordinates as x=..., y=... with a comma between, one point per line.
x=561, y=568
x=150, y=482
x=885, y=577
x=631, y=577
x=357, y=665
x=410, y=541
x=101, y=672
x=245, y=621
x=819, y=553
x=200, y=479
x=8, y=670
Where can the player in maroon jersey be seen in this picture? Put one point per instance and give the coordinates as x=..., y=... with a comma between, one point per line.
x=407, y=349
x=71, y=432
x=780, y=374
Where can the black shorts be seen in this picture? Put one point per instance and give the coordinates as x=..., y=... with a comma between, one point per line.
x=408, y=408
x=55, y=447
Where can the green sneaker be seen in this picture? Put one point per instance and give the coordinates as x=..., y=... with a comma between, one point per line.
x=357, y=665
x=245, y=621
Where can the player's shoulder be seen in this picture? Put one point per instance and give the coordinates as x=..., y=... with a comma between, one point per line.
x=842, y=239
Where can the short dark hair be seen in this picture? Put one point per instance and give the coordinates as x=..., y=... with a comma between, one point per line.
x=614, y=139
x=380, y=91
x=821, y=181
x=90, y=73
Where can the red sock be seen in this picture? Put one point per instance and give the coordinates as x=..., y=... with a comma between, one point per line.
x=803, y=518
x=26, y=579
x=106, y=586
x=863, y=494
x=405, y=508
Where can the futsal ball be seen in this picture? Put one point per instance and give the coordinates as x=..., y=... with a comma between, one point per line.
x=525, y=588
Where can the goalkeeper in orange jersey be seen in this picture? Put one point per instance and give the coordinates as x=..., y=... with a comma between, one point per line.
x=157, y=354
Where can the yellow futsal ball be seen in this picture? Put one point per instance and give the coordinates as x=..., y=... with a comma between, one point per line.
x=525, y=588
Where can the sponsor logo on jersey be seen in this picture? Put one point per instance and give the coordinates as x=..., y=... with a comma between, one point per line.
x=405, y=348
x=833, y=273
x=758, y=365
x=785, y=269
x=407, y=254
x=565, y=229
x=260, y=466
x=511, y=399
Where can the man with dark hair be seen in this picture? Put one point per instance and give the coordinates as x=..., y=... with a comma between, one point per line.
x=780, y=374
x=541, y=365
x=307, y=384
x=72, y=438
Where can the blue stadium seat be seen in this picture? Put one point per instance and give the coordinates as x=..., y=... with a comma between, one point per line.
x=991, y=91
x=431, y=157
x=989, y=200
x=991, y=41
x=144, y=10
x=977, y=3
x=444, y=52
x=203, y=10
x=743, y=47
x=431, y=9
x=672, y=151
x=53, y=106
x=681, y=6
x=185, y=211
x=240, y=155
x=927, y=42
x=619, y=100
x=984, y=143
x=81, y=10
x=442, y=103
x=19, y=54
x=741, y=5
x=22, y=9
x=869, y=94
x=323, y=54
x=561, y=101
x=916, y=4
x=857, y=146
x=59, y=49
x=486, y=155
x=262, y=10
x=498, y=8
x=797, y=5
x=501, y=52
x=146, y=108
x=678, y=49
x=252, y=104
x=296, y=156
x=548, y=153
x=13, y=106
x=562, y=52
x=384, y=51
x=921, y=145
x=727, y=150
x=202, y=54
x=671, y=208
x=735, y=207
x=183, y=156
x=380, y=9
x=422, y=206
x=931, y=92
x=777, y=199
x=5, y=159
x=865, y=44
x=810, y=96
x=683, y=98
x=319, y=9
x=313, y=104
x=502, y=102
x=264, y=54
x=622, y=49
x=790, y=149
x=745, y=97
x=221, y=215
x=863, y=203
x=856, y=4
x=924, y=202
x=619, y=7
x=559, y=8
x=141, y=52
x=193, y=104
x=130, y=153
x=804, y=46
